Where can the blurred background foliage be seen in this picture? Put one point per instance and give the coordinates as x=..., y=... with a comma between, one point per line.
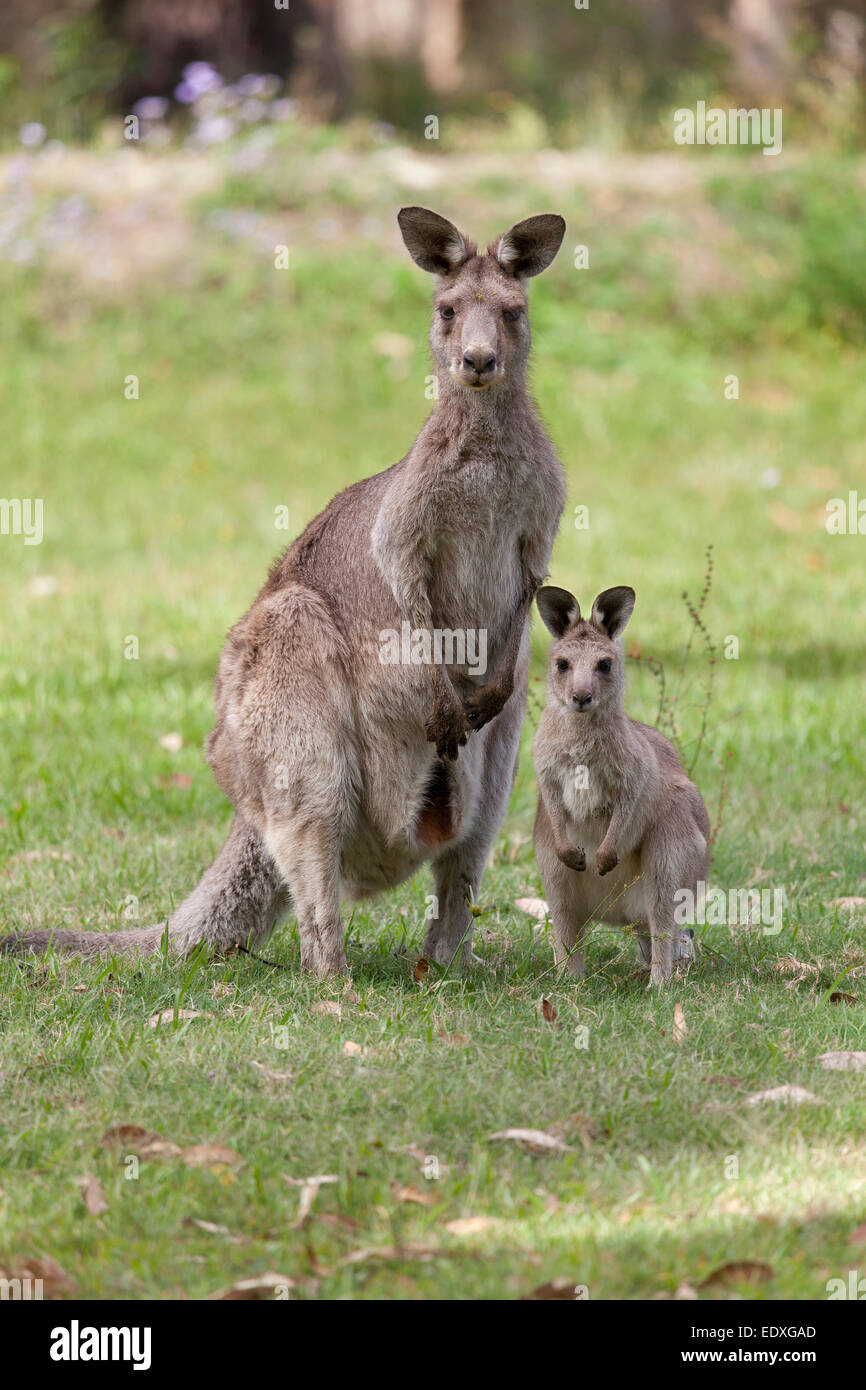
x=542, y=72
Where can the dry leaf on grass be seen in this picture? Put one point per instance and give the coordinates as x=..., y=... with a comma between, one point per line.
x=397, y=1252
x=353, y=1049
x=260, y=1287
x=548, y=1012
x=454, y=1039
x=159, y=1148
x=92, y=1194
x=838, y=996
x=411, y=1194
x=472, y=1225
x=422, y=969
x=738, y=1272
x=583, y=1126
x=269, y=1074
x=535, y=1140
x=212, y=1227
x=309, y=1192
x=788, y=1095
x=128, y=1137
x=328, y=1007
x=533, y=907
x=201, y=1155
x=843, y=1061
x=851, y=904
x=56, y=1283
x=680, y=1029
x=168, y=1016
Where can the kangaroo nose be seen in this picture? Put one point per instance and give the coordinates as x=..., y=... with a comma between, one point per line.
x=582, y=698
x=479, y=360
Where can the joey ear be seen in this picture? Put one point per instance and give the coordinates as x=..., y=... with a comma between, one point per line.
x=529, y=246
x=432, y=241
x=559, y=609
x=612, y=609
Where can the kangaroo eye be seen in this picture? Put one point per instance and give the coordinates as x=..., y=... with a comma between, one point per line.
x=561, y=665
x=511, y=315
x=446, y=312
x=604, y=666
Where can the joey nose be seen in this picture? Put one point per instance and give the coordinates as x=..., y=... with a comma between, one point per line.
x=479, y=359
x=582, y=699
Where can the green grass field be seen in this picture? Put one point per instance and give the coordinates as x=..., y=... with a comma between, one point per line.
x=261, y=389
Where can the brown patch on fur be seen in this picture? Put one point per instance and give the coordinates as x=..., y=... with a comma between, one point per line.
x=435, y=824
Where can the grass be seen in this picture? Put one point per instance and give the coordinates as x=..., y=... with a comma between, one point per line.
x=261, y=389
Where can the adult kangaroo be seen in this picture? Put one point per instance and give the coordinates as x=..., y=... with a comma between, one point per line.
x=347, y=769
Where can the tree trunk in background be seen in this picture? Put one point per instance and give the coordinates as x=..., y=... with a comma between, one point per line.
x=426, y=31
x=761, y=43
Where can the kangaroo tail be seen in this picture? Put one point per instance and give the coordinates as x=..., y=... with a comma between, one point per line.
x=236, y=902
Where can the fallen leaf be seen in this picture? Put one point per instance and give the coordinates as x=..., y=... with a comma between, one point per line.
x=738, y=1272
x=200, y=1155
x=55, y=1281
x=536, y=1140
x=129, y=1137
x=422, y=969
x=353, y=1049
x=168, y=1016
x=838, y=996
x=260, y=1287
x=790, y=1095
x=548, y=1012
x=851, y=904
x=328, y=1007
x=843, y=1061
x=534, y=907
x=159, y=1148
x=680, y=1029
x=269, y=1074
x=454, y=1039
x=396, y=1252
x=411, y=1194
x=92, y=1194
x=472, y=1225
x=214, y=1229
x=581, y=1125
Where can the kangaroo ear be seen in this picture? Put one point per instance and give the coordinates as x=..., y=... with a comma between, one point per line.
x=559, y=609
x=432, y=241
x=530, y=246
x=612, y=610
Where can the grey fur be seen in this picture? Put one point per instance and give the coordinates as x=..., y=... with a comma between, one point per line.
x=618, y=848
x=344, y=772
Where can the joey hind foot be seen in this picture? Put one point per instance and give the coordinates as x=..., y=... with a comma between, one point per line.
x=484, y=704
x=605, y=860
x=447, y=728
x=573, y=857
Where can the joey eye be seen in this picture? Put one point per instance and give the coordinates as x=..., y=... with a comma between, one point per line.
x=604, y=666
x=446, y=312
x=561, y=665
x=511, y=315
